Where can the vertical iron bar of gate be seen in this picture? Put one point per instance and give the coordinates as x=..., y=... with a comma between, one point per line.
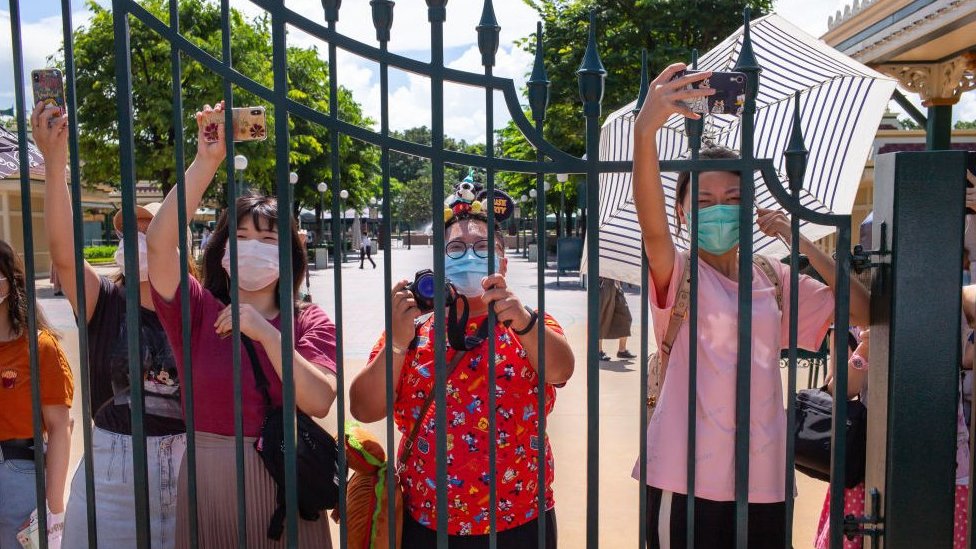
x=286, y=284
x=488, y=31
x=644, y=348
x=123, y=78
x=538, y=102
x=382, y=11
x=591, y=76
x=838, y=465
x=747, y=64
x=235, y=302
x=332, y=17
x=178, y=144
x=26, y=219
x=80, y=298
x=694, y=129
x=796, y=157
x=436, y=14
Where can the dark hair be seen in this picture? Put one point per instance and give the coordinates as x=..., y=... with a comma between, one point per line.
x=263, y=211
x=709, y=152
x=480, y=217
x=12, y=268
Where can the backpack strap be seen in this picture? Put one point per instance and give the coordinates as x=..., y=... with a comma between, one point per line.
x=766, y=265
x=678, y=313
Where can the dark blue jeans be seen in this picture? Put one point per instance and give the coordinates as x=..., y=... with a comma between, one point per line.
x=526, y=536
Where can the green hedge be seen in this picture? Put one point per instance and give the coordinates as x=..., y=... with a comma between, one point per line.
x=100, y=252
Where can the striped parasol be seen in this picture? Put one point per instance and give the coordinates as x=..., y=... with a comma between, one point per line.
x=10, y=157
x=842, y=105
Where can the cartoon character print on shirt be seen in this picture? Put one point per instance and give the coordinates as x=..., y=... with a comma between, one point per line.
x=160, y=380
x=516, y=442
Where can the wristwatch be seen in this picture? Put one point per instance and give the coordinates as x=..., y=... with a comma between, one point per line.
x=857, y=362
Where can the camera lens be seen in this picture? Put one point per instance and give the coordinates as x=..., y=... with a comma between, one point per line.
x=738, y=79
x=256, y=111
x=425, y=286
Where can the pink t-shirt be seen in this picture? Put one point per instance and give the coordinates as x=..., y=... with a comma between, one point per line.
x=213, y=364
x=667, y=431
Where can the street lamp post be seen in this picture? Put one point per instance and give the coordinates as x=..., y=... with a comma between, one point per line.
x=372, y=207
x=343, y=195
x=534, y=223
x=240, y=164
x=322, y=187
x=525, y=244
x=562, y=178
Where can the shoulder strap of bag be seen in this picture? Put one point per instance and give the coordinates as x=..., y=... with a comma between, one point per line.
x=260, y=380
x=678, y=313
x=429, y=401
x=766, y=265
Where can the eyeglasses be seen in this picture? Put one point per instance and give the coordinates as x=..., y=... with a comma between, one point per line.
x=456, y=249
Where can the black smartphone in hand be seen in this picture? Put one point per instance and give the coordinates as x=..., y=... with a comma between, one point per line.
x=729, y=97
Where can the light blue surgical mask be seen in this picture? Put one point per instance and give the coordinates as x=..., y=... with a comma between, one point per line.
x=467, y=271
x=718, y=228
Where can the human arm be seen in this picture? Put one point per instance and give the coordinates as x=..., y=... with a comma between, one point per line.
x=663, y=99
x=57, y=422
x=315, y=388
x=367, y=393
x=559, y=358
x=775, y=223
x=856, y=377
x=162, y=237
x=52, y=141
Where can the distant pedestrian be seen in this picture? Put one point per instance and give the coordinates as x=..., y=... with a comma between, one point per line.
x=204, y=239
x=366, y=250
x=615, y=318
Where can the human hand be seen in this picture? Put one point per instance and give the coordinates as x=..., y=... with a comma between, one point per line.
x=508, y=308
x=405, y=312
x=50, y=131
x=774, y=223
x=253, y=324
x=665, y=97
x=864, y=347
x=211, y=146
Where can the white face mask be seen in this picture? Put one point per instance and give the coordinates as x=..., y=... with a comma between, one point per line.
x=257, y=264
x=143, y=258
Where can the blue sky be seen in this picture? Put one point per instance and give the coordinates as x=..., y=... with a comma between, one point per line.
x=41, y=21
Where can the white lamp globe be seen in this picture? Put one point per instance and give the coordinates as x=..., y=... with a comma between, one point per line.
x=533, y=194
x=562, y=177
x=240, y=162
x=344, y=194
x=293, y=178
x=322, y=187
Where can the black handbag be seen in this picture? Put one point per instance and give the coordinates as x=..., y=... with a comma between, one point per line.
x=316, y=456
x=814, y=423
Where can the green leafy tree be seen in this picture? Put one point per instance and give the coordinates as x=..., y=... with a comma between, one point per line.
x=908, y=124
x=966, y=125
x=668, y=30
x=153, y=107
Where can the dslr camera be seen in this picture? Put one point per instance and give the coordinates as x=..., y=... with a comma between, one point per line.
x=423, y=290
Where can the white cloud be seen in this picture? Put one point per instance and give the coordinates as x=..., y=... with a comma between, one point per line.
x=40, y=39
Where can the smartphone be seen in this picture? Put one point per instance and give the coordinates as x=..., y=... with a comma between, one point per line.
x=250, y=124
x=729, y=96
x=48, y=87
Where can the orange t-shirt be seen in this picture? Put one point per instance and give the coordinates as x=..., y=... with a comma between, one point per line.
x=57, y=384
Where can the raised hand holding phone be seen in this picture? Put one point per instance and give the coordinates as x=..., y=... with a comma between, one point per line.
x=667, y=95
x=211, y=147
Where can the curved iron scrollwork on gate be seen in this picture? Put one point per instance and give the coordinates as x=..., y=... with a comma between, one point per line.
x=549, y=160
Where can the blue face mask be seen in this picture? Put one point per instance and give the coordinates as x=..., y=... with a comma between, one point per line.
x=718, y=228
x=466, y=272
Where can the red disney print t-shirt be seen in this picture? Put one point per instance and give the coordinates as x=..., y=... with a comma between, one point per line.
x=517, y=387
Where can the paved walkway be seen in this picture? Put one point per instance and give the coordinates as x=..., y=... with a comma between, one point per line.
x=363, y=308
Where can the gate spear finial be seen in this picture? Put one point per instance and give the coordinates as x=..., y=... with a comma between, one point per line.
x=747, y=62
x=488, y=31
x=331, y=8
x=539, y=81
x=382, y=18
x=796, y=150
x=591, y=74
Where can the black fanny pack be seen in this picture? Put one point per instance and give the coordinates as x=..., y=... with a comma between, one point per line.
x=814, y=426
x=316, y=455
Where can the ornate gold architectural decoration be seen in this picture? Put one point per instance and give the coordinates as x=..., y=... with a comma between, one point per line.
x=936, y=83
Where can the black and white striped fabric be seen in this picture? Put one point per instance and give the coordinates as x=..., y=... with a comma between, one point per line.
x=842, y=103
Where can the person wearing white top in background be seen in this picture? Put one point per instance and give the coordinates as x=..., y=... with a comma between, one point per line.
x=366, y=250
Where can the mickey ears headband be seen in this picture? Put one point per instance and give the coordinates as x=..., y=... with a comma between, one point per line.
x=470, y=198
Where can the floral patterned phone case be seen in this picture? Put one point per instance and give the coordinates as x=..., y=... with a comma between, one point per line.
x=48, y=85
x=250, y=124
